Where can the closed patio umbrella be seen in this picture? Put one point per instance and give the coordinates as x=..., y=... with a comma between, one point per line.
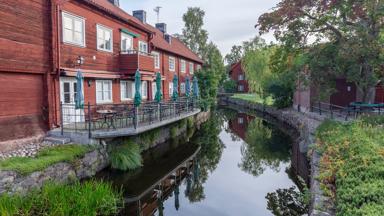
x=79, y=100
x=187, y=86
x=177, y=201
x=175, y=94
x=158, y=95
x=195, y=87
x=137, y=100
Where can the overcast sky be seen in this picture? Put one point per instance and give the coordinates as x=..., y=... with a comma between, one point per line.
x=228, y=22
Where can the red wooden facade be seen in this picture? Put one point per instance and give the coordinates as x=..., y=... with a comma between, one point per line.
x=237, y=74
x=34, y=58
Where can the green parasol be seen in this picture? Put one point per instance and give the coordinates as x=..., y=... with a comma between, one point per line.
x=137, y=100
x=158, y=95
x=175, y=94
x=195, y=87
x=79, y=100
x=187, y=87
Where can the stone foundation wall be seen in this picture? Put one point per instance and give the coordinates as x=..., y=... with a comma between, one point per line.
x=305, y=124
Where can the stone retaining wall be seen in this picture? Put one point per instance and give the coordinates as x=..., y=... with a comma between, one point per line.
x=11, y=182
x=305, y=124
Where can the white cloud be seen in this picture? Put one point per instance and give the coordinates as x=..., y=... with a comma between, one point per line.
x=228, y=22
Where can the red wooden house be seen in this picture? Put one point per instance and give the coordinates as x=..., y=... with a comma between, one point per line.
x=237, y=74
x=43, y=43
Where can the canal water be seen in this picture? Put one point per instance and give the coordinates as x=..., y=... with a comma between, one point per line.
x=236, y=164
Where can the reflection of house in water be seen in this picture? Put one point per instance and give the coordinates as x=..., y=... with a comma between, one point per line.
x=239, y=124
x=165, y=168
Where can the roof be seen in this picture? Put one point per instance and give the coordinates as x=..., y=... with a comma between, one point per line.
x=235, y=65
x=116, y=11
x=176, y=47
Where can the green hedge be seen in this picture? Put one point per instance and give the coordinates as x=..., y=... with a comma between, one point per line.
x=352, y=165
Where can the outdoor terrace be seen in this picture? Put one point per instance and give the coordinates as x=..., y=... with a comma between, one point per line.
x=132, y=60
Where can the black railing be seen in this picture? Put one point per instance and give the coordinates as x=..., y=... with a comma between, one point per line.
x=349, y=112
x=118, y=116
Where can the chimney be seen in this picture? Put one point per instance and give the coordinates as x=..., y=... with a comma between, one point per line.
x=141, y=15
x=168, y=38
x=162, y=27
x=115, y=2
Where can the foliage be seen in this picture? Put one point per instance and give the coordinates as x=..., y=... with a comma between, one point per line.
x=254, y=98
x=263, y=146
x=45, y=158
x=287, y=202
x=88, y=198
x=351, y=28
x=351, y=166
x=147, y=139
x=229, y=85
x=126, y=156
x=194, y=36
x=235, y=55
x=190, y=122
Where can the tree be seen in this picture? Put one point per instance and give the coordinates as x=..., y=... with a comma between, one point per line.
x=194, y=36
x=235, y=55
x=352, y=26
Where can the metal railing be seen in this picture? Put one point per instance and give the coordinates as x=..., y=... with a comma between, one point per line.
x=118, y=116
x=349, y=112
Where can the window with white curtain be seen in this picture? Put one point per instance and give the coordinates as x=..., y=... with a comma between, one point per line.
x=103, y=91
x=154, y=89
x=182, y=88
x=144, y=89
x=183, y=66
x=73, y=29
x=156, y=57
x=170, y=86
x=172, y=63
x=104, y=38
x=127, y=89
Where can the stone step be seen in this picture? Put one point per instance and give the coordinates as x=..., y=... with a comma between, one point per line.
x=57, y=140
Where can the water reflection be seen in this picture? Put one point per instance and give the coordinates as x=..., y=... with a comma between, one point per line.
x=236, y=164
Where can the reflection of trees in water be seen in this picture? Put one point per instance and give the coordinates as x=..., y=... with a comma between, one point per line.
x=264, y=147
x=209, y=156
x=287, y=202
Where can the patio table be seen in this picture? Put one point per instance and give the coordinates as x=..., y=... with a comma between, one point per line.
x=108, y=118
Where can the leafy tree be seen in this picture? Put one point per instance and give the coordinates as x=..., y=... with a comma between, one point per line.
x=353, y=27
x=235, y=55
x=229, y=85
x=194, y=36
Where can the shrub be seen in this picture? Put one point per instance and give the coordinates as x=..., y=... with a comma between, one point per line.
x=44, y=159
x=126, y=156
x=352, y=166
x=229, y=86
x=89, y=198
x=190, y=122
x=148, y=138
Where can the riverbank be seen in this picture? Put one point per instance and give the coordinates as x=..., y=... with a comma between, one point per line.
x=87, y=164
x=306, y=125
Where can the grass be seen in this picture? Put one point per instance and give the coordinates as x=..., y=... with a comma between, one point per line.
x=254, y=98
x=88, y=198
x=44, y=159
x=126, y=156
x=352, y=165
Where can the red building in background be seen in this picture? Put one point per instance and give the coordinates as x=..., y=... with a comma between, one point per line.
x=237, y=74
x=43, y=43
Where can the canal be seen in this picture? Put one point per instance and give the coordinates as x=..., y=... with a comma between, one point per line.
x=236, y=164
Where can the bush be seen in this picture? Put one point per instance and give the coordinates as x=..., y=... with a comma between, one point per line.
x=352, y=166
x=44, y=159
x=229, y=86
x=89, y=198
x=281, y=93
x=126, y=156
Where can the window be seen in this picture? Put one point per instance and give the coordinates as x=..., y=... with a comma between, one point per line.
x=126, y=43
x=143, y=47
x=127, y=89
x=156, y=57
x=241, y=77
x=154, y=89
x=144, y=89
x=191, y=68
x=240, y=120
x=183, y=66
x=104, y=38
x=241, y=88
x=182, y=88
x=170, y=86
x=198, y=67
x=103, y=91
x=73, y=29
x=172, y=63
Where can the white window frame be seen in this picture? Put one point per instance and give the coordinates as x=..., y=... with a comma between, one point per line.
x=156, y=57
x=124, y=35
x=124, y=84
x=241, y=77
x=144, y=91
x=154, y=89
x=104, y=28
x=173, y=59
x=140, y=46
x=191, y=68
x=170, y=89
x=73, y=17
x=183, y=66
x=103, y=100
x=241, y=88
x=182, y=88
